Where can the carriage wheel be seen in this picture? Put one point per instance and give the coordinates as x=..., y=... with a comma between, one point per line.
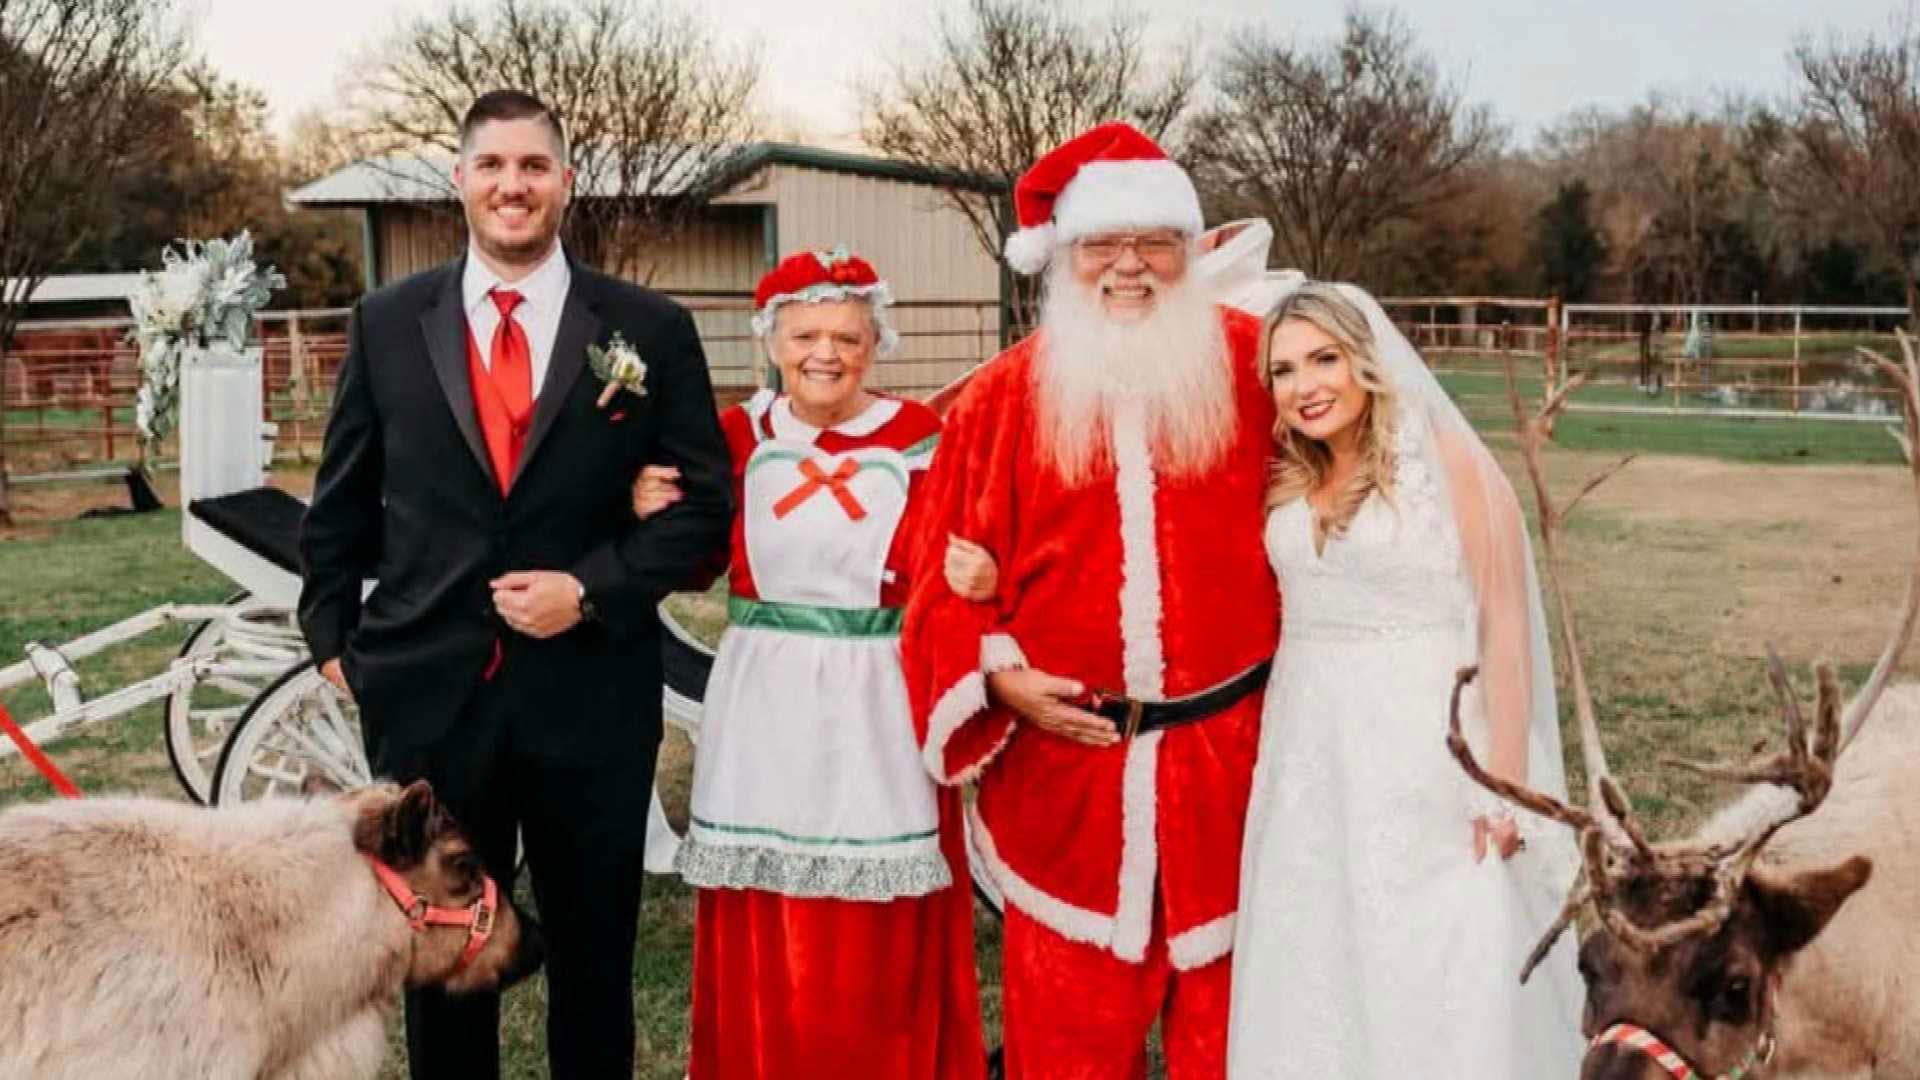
x=299, y=727
x=202, y=714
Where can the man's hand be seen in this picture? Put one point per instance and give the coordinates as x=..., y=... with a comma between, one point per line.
x=336, y=675
x=1041, y=700
x=537, y=603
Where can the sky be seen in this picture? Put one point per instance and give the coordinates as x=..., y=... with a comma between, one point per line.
x=1533, y=61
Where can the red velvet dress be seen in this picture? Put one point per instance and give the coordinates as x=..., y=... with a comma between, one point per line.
x=834, y=931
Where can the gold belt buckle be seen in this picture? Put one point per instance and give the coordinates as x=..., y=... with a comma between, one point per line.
x=1136, y=709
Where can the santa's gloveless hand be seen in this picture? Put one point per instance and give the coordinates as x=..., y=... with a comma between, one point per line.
x=1043, y=700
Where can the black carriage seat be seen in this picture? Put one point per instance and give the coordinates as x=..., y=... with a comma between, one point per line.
x=264, y=520
x=685, y=663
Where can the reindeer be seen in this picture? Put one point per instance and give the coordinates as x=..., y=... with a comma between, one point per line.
x=268, y=941
x=1774, y=942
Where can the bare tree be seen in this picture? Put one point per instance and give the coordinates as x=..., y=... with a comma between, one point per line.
x=1680, y=194
x=1009, y=81
x=319, y=143
x=1856, y=125
x=1678, y=174
x=77, y=82
x=653, y=106
x=1333, y=142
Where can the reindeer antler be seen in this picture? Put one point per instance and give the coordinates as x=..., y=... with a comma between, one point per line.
x=1537, y=801
x=1807, y=765
x=1607, y=819
x=1613, y=847
x=1532, y=432
x=1906, y=377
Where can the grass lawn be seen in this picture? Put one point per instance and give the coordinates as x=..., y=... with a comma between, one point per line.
x=1683, y=566
x=1483, y=398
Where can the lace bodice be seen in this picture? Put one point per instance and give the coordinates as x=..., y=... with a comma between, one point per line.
x=1396, y=571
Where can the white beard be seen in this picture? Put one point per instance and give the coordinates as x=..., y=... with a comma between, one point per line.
x=1171, y=365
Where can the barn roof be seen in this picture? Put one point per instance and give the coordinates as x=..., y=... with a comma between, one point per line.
x=410, y=178
x=399, y=178
x=78, y=288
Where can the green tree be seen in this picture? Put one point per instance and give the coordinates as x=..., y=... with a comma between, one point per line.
x=1566, y=245
x=75, y=79
x=215, y=168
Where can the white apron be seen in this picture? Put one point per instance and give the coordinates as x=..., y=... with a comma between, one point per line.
x=808, y=780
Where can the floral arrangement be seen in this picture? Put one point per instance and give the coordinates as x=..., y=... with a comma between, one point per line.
x=618, y=366
x=204, y=293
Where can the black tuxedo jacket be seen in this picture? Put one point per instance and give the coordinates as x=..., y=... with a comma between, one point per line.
x=405, y=496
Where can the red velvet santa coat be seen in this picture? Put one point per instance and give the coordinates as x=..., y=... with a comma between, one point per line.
x=1133, y=583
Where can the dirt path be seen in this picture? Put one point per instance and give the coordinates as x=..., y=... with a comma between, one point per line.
x=1729, y=557
x=36, y=508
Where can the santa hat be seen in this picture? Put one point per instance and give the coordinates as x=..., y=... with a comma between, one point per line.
x=811, y=277
x=1111, y=177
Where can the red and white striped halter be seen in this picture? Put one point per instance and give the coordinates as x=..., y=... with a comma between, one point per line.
x=1646, y=1042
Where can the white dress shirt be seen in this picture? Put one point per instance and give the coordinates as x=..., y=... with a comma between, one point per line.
x=543, y=292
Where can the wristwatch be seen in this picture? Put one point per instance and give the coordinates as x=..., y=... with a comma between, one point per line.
x=588, y=613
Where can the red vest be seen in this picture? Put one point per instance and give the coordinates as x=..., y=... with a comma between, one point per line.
x=505, y=435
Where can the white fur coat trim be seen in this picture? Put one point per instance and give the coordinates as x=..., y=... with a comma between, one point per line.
x=1067, y=920
x=1201, y=945
x=962, y=701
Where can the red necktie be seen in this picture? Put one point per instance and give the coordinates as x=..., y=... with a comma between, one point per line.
x=511, y=364
x=510, y=369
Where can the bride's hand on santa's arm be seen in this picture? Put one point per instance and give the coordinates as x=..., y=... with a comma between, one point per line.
x=970, y=570
x=1045, y=701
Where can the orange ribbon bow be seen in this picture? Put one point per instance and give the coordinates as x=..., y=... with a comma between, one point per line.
x=816, y=478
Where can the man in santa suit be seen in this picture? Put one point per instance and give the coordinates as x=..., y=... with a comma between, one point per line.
x=1107, y=702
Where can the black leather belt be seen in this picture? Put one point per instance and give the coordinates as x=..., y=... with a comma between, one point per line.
x=1135, y=717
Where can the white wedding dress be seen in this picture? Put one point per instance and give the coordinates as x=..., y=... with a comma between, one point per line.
x=1369, y=943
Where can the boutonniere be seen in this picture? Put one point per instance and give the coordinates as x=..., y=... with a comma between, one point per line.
x=618, y=366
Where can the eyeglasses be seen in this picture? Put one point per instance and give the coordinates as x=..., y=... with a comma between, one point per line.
x=1157, y=247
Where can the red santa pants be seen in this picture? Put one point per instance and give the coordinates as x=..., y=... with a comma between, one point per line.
x=1075, y=1012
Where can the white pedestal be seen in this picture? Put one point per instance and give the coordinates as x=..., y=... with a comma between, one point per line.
x=220, y=422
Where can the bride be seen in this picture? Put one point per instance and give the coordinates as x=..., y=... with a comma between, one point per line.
x=1387, y=903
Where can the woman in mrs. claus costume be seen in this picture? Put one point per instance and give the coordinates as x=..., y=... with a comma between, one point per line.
x=834, y=932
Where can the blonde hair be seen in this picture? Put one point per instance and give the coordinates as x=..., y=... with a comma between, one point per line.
x=1300, y=463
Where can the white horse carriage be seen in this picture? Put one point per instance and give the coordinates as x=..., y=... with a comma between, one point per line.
x=248, y=714
x=235, y=650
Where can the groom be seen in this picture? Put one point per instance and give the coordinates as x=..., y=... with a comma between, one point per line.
x=1113, y=465
x=509, y=652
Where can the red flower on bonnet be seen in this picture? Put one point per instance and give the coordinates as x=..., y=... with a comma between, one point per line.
x=815, y=276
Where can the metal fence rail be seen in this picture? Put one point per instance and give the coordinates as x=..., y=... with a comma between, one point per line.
x=70, y=385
